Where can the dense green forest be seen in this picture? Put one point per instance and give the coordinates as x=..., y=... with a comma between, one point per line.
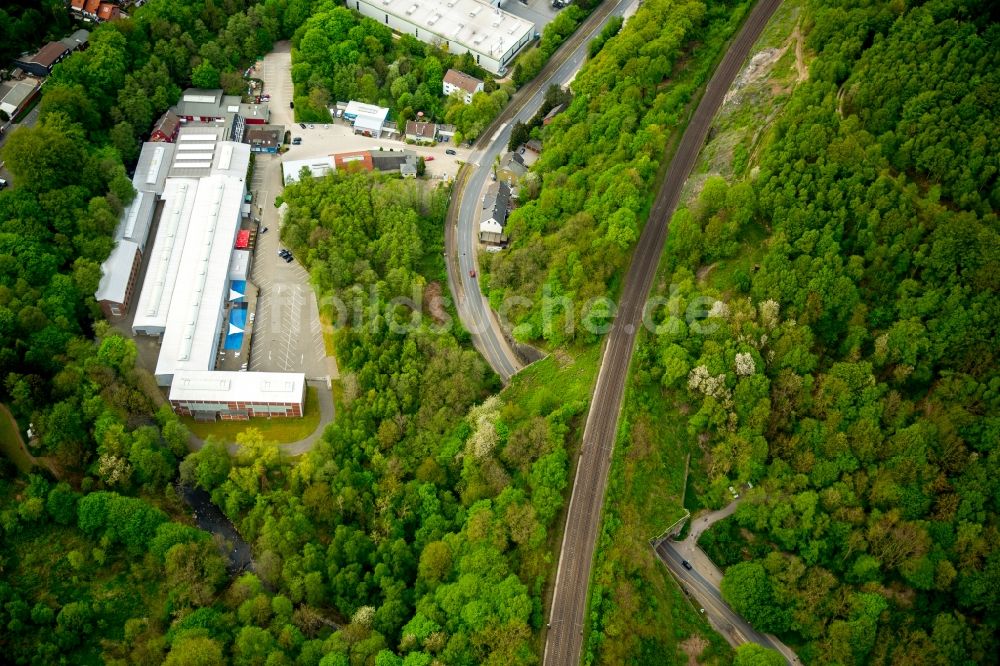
x=582, y=207
x=849, y=366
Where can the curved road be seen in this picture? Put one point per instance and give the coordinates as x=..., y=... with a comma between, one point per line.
x=703, y=583
x=567, y=618
x=462, y=224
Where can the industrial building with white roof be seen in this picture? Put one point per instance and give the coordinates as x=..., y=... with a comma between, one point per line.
x=490, y=34
x=195, y=280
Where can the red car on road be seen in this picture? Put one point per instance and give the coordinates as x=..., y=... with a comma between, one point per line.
x=472, y=273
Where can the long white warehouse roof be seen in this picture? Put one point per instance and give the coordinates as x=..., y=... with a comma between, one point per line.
x=472, y=23
x=246, y=387
x=164, y=262
x=195, y=313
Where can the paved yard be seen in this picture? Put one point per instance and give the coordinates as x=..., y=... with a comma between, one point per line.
x=540, y=12
x=339, y=137
x=287, y=332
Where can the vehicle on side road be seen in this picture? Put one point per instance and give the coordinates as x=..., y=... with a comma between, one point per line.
x=450, y=151
x=686, y=564
x=472, y=273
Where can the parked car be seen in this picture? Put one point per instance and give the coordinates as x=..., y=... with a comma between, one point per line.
x=429, y=158
x=312, y=127
x=288, y=258
x=686, y=564
x=291, y=105
x=302, y=125
x=450, y=151
x=3, y=183
x=340, y=113
x=732, y=490
x=264, y=230
x=282, y=252
x=297, y=141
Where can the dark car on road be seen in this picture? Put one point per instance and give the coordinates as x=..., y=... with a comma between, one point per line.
x=686, y=564
x=302, y=125
x=450, y=152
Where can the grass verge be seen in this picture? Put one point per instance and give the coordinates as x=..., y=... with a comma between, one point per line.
x=281, y=431
x=11, y=444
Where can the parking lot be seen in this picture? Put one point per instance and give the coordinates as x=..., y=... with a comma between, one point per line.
x=339, y=137
x=287, y=334
x=539, y=12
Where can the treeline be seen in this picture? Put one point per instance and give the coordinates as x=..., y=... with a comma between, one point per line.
x=574, y=229
x=339, y=55
x=848, y=367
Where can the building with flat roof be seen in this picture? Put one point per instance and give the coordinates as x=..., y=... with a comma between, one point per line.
x=367, y=119
x=121, y=269
x=238, y=396
x=317, y=166
x=490, y=34
x=195, y=313
x=118, y=276
x=151, y=169
x=16, y=95
x=202, y=169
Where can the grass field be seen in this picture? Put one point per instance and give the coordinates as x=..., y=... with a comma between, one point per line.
x=277, y=430
x=11, y=444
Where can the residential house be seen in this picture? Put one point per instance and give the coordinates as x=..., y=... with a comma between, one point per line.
x=459, y=82
x=107, y=11
x=512, y=167
x=166, y=127
x=41, y=63
x=420, y=132
x=493, y=217
x=264, y=138
x=87, y=9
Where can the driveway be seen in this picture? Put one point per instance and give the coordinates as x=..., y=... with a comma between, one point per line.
x=276, y=71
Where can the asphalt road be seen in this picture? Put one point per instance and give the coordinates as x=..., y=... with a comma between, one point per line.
x=567, y=617
x=462, y=225
x=702, y=583
x=725, y=620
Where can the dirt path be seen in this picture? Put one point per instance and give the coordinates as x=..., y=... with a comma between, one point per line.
x=800, y=62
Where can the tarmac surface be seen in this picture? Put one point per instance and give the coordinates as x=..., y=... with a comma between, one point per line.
x=567, y=618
